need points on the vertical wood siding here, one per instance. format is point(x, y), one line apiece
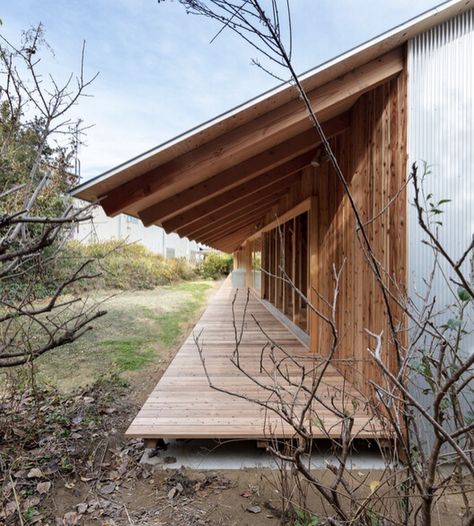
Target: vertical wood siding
point(372, 156)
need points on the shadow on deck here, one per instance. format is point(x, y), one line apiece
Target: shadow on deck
point(183, 405)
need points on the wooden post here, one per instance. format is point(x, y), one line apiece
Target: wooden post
point(248, 263)
point(313, 272)
point(294, 272)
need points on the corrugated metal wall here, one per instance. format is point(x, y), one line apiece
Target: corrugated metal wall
point(441, 133)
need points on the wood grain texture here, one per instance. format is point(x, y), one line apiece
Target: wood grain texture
point(184, 406)
point(269, 183)
point(237, 174)
point(372, 155)
point(249, 140)
point(373, 158)
point(263, 104)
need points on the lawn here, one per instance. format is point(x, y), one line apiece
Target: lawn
point(141, 329)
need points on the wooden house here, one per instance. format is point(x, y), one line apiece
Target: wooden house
point(255, 182)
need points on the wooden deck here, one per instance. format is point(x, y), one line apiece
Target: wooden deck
point(183, 405)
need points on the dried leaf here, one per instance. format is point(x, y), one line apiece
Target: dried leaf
point(31, 502)
point(10, 508)
point(105, 504)
point(70, 485)
point(108, 488)
point(172, 493)
point(7, 490)
point(71, 519)
point(122, 469)
point(87, 479)
point(35, 473)
point(82, 507)
point(254, 509)
point(43, 487)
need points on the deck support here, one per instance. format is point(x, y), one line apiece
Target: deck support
point(151, 443)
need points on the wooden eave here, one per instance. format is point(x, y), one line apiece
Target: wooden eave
point(223, 165)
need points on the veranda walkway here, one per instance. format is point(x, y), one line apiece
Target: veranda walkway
point(183, 405)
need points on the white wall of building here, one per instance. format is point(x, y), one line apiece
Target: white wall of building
point(125, 227)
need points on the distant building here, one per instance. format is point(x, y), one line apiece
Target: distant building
point(126, 227)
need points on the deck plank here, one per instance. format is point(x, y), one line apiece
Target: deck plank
point(183, 405)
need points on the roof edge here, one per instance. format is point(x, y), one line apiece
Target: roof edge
point(440, 9)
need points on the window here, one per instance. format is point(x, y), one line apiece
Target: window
point(131, 219)
point(284, 256)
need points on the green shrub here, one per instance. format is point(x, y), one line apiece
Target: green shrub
point(117, 265)
point(216, 265)
point(133, 266)
point(182, 268)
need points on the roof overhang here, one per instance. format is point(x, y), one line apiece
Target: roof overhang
point(237, 162)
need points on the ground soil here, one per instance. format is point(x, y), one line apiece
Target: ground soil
point(135, 339)
point(89, 473)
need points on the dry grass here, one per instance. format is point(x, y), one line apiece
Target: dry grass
point(140, 329)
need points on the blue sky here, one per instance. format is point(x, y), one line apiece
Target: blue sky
point(158, 74)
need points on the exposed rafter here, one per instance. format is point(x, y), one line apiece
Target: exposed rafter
point(260, 200)
point(269, 182)
point(254, 223)
point(234, 240)
point(240, 173)
point(220, 227)
point(250, 139)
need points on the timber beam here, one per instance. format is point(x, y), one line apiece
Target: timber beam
point(240, 194)
point(255, 221)
point(233, 241)
point(229, 212)
point(240, 173)
point(250, 139)
point(235, 222)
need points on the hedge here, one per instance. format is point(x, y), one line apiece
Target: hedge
point(118, 266)
point(216, 265)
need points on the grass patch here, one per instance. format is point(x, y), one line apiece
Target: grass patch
point(197, 288)
point(141, 329)
point(171, 329)
point(129, 355)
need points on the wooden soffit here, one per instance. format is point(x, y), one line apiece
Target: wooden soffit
point(215, 185)
point(246, 144)
point(260, 158)
point(248, 113)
